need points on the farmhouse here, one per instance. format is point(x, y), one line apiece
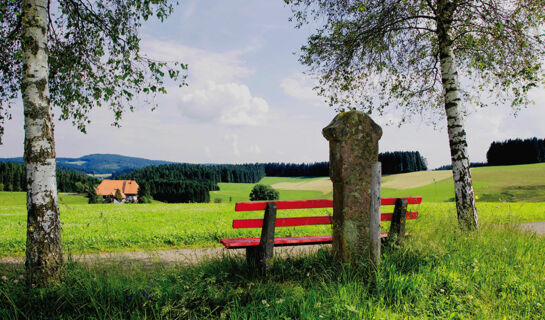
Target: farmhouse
point(127, 188)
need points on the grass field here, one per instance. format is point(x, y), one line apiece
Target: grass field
point(439, 273)
point(522, 183)
point(107, 227)
point(236, 192)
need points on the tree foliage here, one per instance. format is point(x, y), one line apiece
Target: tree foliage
point(374, 54)
point(185, 182)
point(95, 57)
point(402, 162)
point(263, 192)
point(516, 151)
point(13, 176)
point(92, 194)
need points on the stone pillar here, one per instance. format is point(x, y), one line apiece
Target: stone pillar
point(355, 172)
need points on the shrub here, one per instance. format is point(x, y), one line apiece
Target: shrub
point(263, 192)
point(145, 199)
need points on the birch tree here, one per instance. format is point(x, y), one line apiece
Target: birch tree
point(75, 55)
point(426, 57)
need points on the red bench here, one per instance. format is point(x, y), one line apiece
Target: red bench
point(256, 247)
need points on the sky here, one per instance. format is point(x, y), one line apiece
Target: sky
point(248, 99)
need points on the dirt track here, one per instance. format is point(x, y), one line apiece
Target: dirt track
point(193, 256)
point(176, 256)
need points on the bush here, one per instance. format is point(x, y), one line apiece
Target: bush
point(92, 194)
point(263, 192)
point(145, 199)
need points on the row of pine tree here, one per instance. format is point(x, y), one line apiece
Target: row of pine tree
point(13, 178)
point(516, 151)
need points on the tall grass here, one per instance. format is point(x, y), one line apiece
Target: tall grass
point(498, 272)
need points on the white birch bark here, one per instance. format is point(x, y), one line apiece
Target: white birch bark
point(43, 246)
point(463, 186)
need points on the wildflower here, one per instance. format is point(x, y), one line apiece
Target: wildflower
point(149, 297)
point(279, 301)
point(318, 305)
point(15, 281)
point(442, 290)
point(21, 277)
point(129, 298)
point(4, 278)
point(265, 303)
point(538, 304)
point(150, 286)
point(186, 287)
point(476, 197)
point(321, 317)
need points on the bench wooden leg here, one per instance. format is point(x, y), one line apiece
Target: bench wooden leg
point(397, 227)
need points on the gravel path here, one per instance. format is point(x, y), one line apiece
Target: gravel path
point(176, 256)
point(536, 227)
point(194, 256)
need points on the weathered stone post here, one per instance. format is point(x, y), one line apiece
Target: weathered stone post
point(355, 171)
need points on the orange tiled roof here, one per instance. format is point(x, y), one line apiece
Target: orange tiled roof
point(108, 187)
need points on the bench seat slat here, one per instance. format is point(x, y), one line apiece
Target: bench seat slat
point(304, 221)
point(280, 241)
point(310, 204)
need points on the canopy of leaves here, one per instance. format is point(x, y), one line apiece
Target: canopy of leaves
point(263, 192)
point(94, 56)
point(370, 54)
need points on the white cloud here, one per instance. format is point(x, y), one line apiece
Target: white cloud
point(229, 104)
point(255, 149)
point(203, 65)
point(234, 142)
point(216, 92)
point(300, 87)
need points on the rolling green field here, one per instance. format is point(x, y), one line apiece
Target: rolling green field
point(109, 227)
point(236, 192)
point(439, 272)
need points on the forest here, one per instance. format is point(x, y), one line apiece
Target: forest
point(191, 182)
point(13, 178)
point(516, 151)
point(392, 163)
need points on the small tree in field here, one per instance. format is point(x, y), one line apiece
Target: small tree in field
point(118, 195)
point(372, 54)
point(92, 194)
point(76, 55)
point(263, 192)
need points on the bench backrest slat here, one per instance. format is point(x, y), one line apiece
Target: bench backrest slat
point(304, 221)
point(311, 204)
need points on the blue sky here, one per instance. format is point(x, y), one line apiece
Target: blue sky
point(249, 101)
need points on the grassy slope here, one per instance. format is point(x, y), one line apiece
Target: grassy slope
point(522, 183)
point(237, 192)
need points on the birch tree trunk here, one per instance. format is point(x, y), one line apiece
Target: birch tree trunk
point(463, 187)
point(43, 246)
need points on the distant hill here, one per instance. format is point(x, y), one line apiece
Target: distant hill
point(100, 163)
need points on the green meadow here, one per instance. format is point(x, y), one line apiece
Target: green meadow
point(507, 194)
point(439, 272)
point(237, 192)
